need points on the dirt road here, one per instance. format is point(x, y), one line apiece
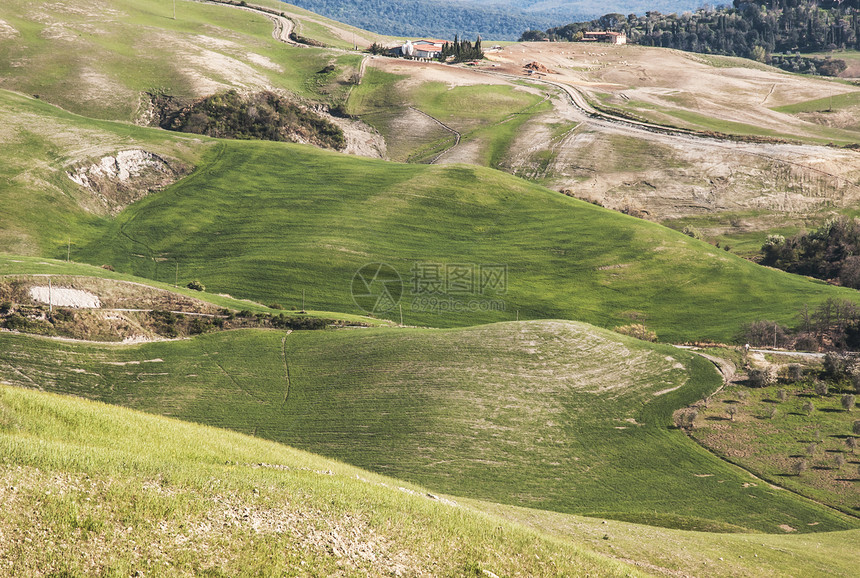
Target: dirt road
point(283, 26)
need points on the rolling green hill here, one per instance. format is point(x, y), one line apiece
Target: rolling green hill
point(553, 415)
point(121, 493)
point(508, 416)
point(268, 221)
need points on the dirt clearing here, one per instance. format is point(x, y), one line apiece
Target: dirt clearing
point(65, 297)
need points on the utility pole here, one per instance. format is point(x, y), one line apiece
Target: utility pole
point(401, 314)
point(174, 9)
point(303, 301)
point(176, 277)
point(50, 296)
point(69, 251)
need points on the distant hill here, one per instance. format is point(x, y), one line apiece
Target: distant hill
point(495, 19)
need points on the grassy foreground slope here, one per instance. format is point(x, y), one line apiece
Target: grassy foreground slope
point(267, 221)
point(553, 415)
point(683, 553)
point(89, 489)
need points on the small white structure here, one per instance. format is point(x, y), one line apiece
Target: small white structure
point(605, 36)
point(420, 49)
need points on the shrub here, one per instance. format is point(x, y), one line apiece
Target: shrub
point(839, 460)
point(638, 331)
point(848, 402)
point(196, 285)
point(782, 395)
point(276, 306)
point(687, 418)
point(836, 365)
point(821, 388)
point(733, 411)
point(808, 407)
point(856, 427)
point(108, 268)
point(691, 232)
point(851, 443)
point(800, 467)
point(795, 372)
point(772, 413)
point(811, 449)
point(762, 377)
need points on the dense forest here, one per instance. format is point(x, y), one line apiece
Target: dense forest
point(492, 19)
point(437, 18)
point(749, 28)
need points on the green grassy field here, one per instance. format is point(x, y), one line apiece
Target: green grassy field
point(489, 115)
point(540, 414)
point(121, 493)
point(838, 101)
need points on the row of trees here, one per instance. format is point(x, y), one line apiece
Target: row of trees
point(750, 28)
point(461, 50)
point(833, 325)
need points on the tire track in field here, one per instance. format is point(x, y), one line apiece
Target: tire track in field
point(286, 367)
point(241, 387)
point(456, 134)
point(25, 376)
